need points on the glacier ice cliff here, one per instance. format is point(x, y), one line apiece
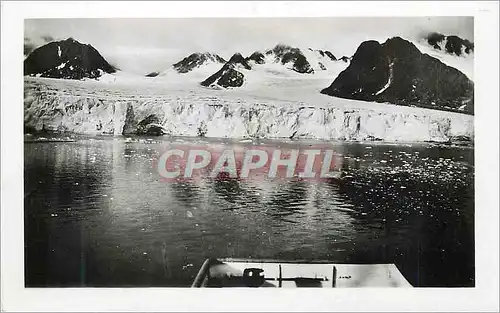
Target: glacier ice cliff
point(235, 117)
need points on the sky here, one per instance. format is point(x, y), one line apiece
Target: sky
point(144, 45)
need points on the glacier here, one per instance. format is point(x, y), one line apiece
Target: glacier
point(297, 110)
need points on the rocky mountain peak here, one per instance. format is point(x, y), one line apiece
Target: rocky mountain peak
point(195, 60)
point(257, 57)
point(450, 44)
point(286, 54)
point(238, 60)
point(66, 59)
point(397, 72)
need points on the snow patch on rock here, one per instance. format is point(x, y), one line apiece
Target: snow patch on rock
point(389, 80)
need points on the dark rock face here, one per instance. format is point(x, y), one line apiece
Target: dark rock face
point(345, 59)
point(330, 55)
point(238, 59)
point(286, 54)
point(453, 44)
point(300, 63)
point(434, 39)
point(151, 125)
point(231, 78)
point(153, 74)
point(228, 75)
point(327, 53)
point(358, 80)
point(196, 60)
point(257, 57)
point(68, 59)
point(397, 72)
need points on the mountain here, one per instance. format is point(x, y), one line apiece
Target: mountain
point(397, 72)
point(256, 57)
point(325, 53)
point(228, 75)
point(450, 44)
point(304, 62)
point(281, 56)
point(196, 60)
point(345, 59)
point(238, 60)
point(328, 54)
point(285, 54)
point(68, 59)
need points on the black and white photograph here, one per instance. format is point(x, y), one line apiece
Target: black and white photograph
point(249, 152)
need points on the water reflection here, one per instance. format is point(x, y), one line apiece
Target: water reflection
point(98, 214)
point(287, 199)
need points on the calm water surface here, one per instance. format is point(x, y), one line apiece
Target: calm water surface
point(97, 213)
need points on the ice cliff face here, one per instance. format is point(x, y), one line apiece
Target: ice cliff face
point(231, 117)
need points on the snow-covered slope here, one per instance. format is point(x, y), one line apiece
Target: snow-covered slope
point(299, 112)
point(276, 68)
point(197, 60)
point(194, 66)
point(290, 58)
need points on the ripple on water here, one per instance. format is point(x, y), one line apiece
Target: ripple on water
point(392, 204)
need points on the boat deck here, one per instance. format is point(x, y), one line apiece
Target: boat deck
point(282, 274)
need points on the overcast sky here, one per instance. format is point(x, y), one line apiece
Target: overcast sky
point(144, 45)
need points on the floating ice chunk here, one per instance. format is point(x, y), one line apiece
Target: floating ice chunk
point(187, 266)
